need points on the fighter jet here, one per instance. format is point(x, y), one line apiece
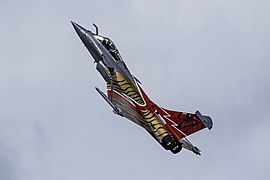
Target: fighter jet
point(127, 98)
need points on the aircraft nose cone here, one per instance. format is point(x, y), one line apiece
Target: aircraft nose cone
point(81, 31)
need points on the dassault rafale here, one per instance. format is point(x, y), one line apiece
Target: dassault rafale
point(127, 99)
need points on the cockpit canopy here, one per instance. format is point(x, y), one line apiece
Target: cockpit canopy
point(110, 46)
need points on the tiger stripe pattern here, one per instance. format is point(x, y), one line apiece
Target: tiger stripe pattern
point(124, 86)
point(155, 124)
point(148, 119)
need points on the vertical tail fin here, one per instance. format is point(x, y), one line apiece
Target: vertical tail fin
point(206, 120)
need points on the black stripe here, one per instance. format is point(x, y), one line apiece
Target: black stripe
point(163, 133)
point(133, 94)
point(159, 123)
point(150, 122)
point(147, 113)
point(126, 83)
point(137, 96)
point(150, 117)
point(119, 81)
point(126, 88)
point(131, 91)
point(159, 128)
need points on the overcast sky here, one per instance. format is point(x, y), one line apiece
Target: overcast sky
point(209, 55)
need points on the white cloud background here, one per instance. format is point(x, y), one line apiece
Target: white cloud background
point(207, 55)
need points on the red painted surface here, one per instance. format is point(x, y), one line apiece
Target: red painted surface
point(179, 124)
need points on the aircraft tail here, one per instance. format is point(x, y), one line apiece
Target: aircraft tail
point(206, 120)
point(189, 123)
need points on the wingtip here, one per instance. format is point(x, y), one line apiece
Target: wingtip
point(206, 120)
point(197, 151)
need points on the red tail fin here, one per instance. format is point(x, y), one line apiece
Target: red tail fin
point(187, 123)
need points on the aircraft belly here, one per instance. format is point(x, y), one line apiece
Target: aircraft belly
point(156, 126)
point(123, 85)
point(127, 96)
point(127, 99)
point(129, 112)
point(145, 118)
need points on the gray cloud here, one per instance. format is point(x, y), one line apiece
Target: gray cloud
point(7, 162)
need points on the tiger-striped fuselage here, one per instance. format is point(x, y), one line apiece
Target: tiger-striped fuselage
point(126, 97)
point(129, 97)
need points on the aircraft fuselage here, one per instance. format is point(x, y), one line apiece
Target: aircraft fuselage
point(127, 98)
